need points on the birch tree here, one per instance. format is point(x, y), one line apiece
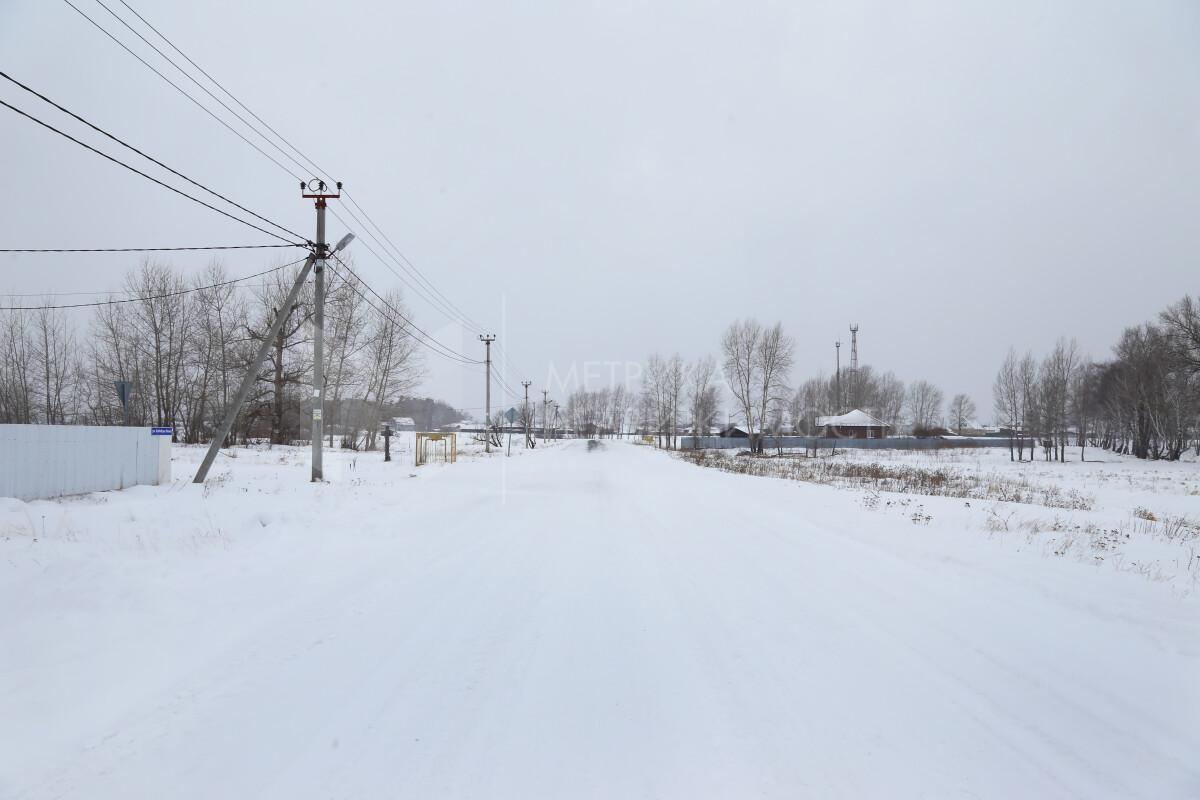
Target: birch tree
point(756, 362)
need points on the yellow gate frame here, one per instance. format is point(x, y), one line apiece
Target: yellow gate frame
point(449, 446)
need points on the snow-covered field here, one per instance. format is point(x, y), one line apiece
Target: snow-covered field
point(609, 623)
point(1109, 511)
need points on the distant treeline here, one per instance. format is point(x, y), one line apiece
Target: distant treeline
point(1144, 401)
point(185, 345)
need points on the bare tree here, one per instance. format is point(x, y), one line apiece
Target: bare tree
point(53, 349)
point(1006, 398)
point(289, 361)
point(924, 405)
point(394, 365)
point(346, 325)
point(1054, 395)
point(962, 411)
point(889, 402)
point(702, 395)
point(1027, 381)
point(220, 351)
point(675, 379)
point(1182, 324)
point(756, 362)
point(160, 324)
point(17, 370)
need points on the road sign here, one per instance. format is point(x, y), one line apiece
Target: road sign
point(160, 431)
point(123, 390)
point(511, 415)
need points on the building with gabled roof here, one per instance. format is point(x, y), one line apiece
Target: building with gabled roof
point(854, 424)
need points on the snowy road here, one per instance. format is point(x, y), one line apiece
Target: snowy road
point(599, 624)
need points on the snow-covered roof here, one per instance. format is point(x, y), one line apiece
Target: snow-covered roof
point(403, 421)
point(851, 419)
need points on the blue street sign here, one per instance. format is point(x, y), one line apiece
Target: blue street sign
point(160, 431)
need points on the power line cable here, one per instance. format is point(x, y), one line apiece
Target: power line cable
point(439, 299)
point(405, 322)
point(146, 156)
point(141, 249)
point(201, 86)
point(153, 297)
point(414, 268)
point(228, 93)
point(148, 177)
point(110, 292)
point(424, 338)
point(181, 90)
point(417, 289)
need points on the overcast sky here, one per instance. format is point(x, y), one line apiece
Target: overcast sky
point(598, 181)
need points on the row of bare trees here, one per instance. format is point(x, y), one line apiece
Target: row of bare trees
point(755, 363)
point(674, 391)
point(1032, 398)
point(755, 367)
point(596, 414)
point(919, 406)
point(185, 345)
point(1144, 401)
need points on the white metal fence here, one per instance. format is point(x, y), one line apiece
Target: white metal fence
point(38, 461)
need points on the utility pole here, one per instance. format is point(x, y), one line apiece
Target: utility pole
point(487, 340)
point(837, 380)
point(320, 252)
point(317, 190)
point(525, 413)
point(545, 406)
point(854, 398)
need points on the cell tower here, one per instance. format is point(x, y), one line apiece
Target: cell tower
point(855, 400)
point(854, 347)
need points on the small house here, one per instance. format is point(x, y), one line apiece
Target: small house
point(855, 424)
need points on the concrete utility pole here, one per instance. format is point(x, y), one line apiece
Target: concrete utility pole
point(525, 413)
point(545, 406)
point(317, 191)
point(487, 340)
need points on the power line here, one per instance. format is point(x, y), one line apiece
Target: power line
point(202, 87)
point(424, 287)
point(437, 298)
point(424, 338)
point(154, 297)
point(384, 260)
point(110, 292)
point(148, 177)
point(228, 93)
point(141, 249)
point(415, 270)
point(182, 91)
point(148, 157)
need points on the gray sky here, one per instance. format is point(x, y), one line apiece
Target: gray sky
point(596, 181)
